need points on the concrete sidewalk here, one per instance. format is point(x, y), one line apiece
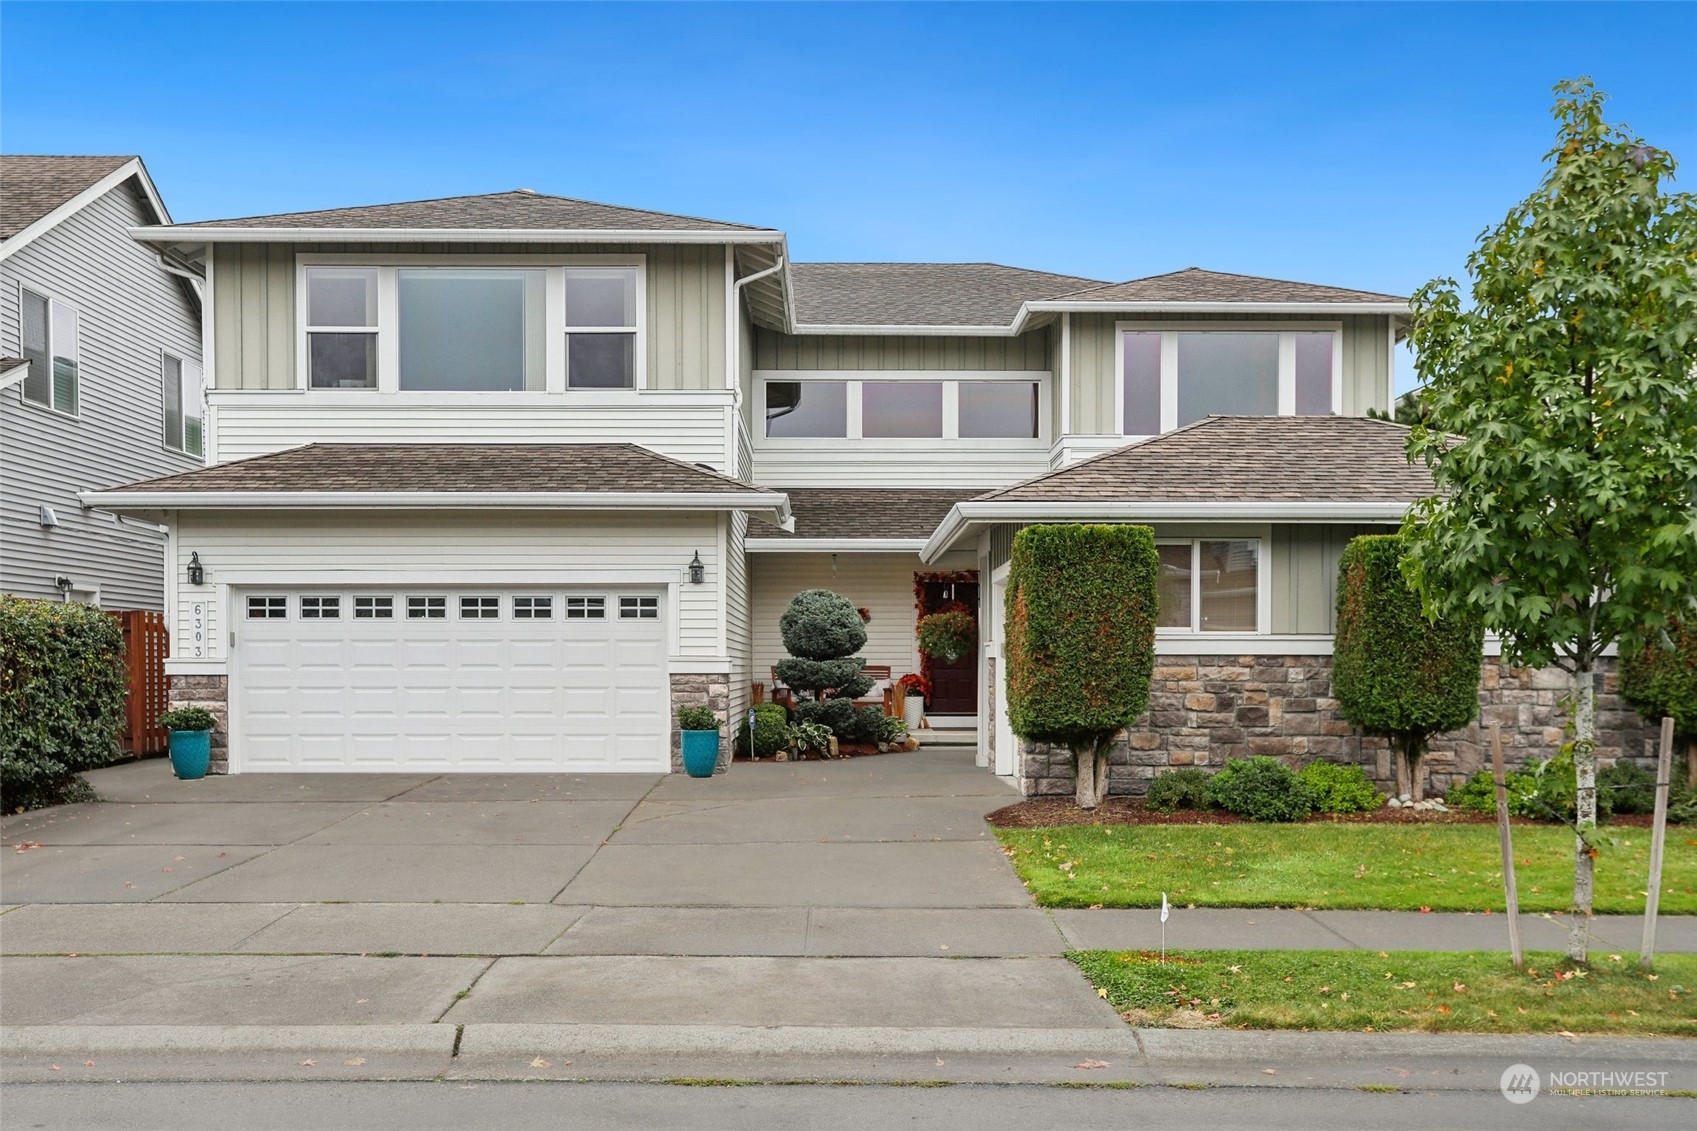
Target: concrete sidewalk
point(854, 917)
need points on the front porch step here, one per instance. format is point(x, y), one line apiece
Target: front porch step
point(930, 736)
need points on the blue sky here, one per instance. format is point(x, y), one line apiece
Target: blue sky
point(1363, 145)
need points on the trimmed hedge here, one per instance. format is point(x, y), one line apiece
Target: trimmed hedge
point(1663, 681)
point(1262, 789)
point(62, 687)
point(1395, 673)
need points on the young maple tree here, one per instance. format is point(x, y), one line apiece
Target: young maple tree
point(1561, 424)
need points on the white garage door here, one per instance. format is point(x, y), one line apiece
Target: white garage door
point(450, 679)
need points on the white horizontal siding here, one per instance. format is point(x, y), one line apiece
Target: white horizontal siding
point(129, 309)
point(687, 426)
point(862, 463)
point(478, 548)
point(880, 583)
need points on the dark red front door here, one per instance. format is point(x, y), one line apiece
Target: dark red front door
point(954, 686)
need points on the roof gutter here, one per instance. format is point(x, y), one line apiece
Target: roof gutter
point(1029, 310)
point(191, 233)
point(773, 506)
point(965, 515)
point(760, 544)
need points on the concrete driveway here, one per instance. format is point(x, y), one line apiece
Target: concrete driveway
point(866, 892)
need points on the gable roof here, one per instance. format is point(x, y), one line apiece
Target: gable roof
point(1222, 468)
point(920, 294)
point(1193, 284)
point(849, 514)
point(32, 186)
point(517, 209)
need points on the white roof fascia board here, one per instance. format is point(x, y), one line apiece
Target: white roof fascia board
point(973, 513)
point(1057, 305)
point(135, 500)
point(83, 199)
point(1006, 331)
point(14, 376)
point(174, 234)
point(759, 545)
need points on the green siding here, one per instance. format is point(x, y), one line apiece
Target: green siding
point(1304, 563)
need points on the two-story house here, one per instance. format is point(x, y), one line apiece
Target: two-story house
point(100, 383)
point(500, 480)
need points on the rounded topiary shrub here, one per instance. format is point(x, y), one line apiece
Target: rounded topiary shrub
point(1185, 788)
point(1262, 789)
point(1395, 673)
point(62, 687)
point(1339, 787)
point(821, 625)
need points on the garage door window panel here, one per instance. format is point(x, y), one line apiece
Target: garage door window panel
point(374, 608)
point(639, 608)
point(321, 608)
point(586, 608)
point(480, 608)
point(427, 608)
point(533, 608)
point(267, 608)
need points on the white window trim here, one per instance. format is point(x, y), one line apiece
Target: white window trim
point(76, 312)
point(1263, 586)
point(388, 318)
point(1169, 332)
point(950, 379)
point(183, 364)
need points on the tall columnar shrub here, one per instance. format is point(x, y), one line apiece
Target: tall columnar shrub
point(822, 632)
point(1080, 641)
point(62, 686)
point(1396, 673)
point(1660, 678)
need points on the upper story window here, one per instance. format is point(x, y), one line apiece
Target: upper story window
point(486, 326)
point(48, 341)
point(1173, 377)
point(874, 408)
point(179, 384)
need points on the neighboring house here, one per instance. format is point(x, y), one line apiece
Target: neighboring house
point(503, 479)
point(100, 383)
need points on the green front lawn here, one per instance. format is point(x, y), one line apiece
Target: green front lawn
point(1338, 866)
point(1461, 992)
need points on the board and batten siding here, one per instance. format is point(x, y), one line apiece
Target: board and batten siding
point(1366, 358)
point(480, 548)
point(773, 350)
point(879, 583)
point(253, 306)
point(691, 426)
point(1304, 562)
point(129, 311)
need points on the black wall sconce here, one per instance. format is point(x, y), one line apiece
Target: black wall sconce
point(697, 571)
point(197, 572)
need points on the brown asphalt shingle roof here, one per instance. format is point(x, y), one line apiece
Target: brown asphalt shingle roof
point(453, 467)
point(32, 185)
point(519, 209)
point(852, 512)
point(1193, 284)
point(920, 294)
point(1243, 459)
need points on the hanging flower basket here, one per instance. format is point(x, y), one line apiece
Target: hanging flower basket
point(947, 636)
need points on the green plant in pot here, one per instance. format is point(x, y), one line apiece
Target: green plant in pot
point(190, 740)
point(700, 729)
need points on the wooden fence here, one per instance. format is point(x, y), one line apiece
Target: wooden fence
point(146, 643)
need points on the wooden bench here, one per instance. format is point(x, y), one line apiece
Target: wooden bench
point(880, 674)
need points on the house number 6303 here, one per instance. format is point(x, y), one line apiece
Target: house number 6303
point(197, 629)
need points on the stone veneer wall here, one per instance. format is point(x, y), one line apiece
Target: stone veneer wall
point(693, 690)
point(213, 693)
point(992, 687)
point(1206, 709)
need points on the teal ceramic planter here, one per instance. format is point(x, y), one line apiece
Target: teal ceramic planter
point(701, 752)
point(191, 753)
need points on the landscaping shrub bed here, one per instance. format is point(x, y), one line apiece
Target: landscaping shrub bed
point(1050, 812)
point(62, 687)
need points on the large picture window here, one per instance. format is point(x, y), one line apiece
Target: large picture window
point(1173, 377)
point(492, 325)
point(1210, 585)
point(48, 341)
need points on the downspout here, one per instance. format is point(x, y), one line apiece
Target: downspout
point(733, 343)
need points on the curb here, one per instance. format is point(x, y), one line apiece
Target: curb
point(65, 1040)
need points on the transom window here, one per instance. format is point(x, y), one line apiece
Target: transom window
point(480, 608)
point(489, 326)
point(180, 382)
point(1170, 378)
point(427, 608)
point(1210, 585)
point(48, 341)
point(533, 608)
point(374, 608)
point(586, 608)
point(639, 608)
point(907, 409)
point(321, 608)
point(267, 608)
